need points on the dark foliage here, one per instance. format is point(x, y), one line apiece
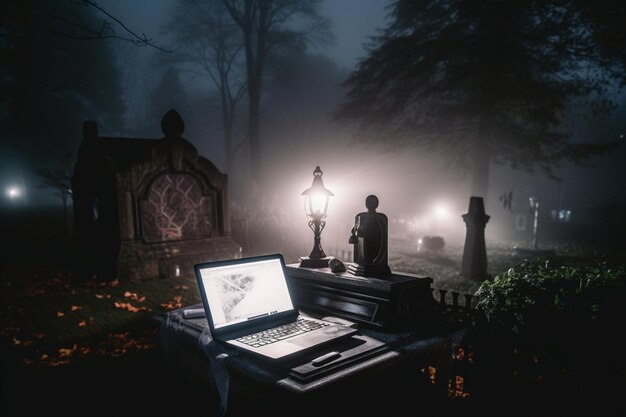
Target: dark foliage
point(482, 82)
point(433, 243)
point(550, 339)
point(536, 297)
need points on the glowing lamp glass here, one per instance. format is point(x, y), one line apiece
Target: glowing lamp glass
point(316, 197)
point(315, 206)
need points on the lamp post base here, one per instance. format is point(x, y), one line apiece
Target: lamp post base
point(308, 262)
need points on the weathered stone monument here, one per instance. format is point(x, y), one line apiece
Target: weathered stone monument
point(475, 253)
point(146, 208)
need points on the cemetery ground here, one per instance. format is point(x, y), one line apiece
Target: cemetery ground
point(73, 346)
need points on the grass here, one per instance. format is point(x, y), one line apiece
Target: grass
point(79, 345)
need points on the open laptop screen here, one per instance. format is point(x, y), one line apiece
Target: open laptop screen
point(241, 292)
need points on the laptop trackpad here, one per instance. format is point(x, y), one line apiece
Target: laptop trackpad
point(327, 333)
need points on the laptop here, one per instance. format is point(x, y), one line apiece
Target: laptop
point(248, 305)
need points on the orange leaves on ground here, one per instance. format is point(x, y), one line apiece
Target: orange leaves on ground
point(118, 344)
point(84, 323)
point(134, 296)
point(25, 343)
point(112, 345)
point(8, 330)
point(130, 307)
point(67, 352)
point(111, 284)
point(58, 362)
point(60, 314)
point(176, 302)
point(181, 287)
point(103, 296)
point(76, 308)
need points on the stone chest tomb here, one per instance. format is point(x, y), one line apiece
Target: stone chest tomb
point(148, 207)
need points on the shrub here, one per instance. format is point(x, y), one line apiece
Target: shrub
point(536, 298)
point(433, 243)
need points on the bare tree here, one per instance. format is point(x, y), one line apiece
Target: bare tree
point(59, 179)
point(206, 38)
point(267, 26)
point(64, 18)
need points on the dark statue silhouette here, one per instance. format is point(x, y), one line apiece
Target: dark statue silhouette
point(369, 238)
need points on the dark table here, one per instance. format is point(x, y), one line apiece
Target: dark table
point(387, 383)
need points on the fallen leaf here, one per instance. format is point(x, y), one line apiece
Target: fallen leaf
point(176, 302)
point(130, 307)
point(82, 323)
point(113, 283)
point(134, 296)
point(181, 287)
point(103, 296)
point(16, 341)
point(44, 357)
point(60, 314)
point(67, 352)
point(74, 308)
point(57, 362)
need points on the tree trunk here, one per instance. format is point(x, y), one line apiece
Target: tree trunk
point(253, 133)
point(227, 124)
point(480, 183)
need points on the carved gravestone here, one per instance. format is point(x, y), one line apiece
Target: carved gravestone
point(148, 207)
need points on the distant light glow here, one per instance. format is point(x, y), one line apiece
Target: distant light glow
point(14, 192)
point(442, 211)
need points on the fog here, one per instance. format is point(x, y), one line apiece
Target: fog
point(418, 190)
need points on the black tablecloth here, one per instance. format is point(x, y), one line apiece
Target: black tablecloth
point(189, 350)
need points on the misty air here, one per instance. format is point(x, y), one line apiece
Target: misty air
point(351, 207)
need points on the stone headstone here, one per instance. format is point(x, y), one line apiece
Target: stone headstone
point(474, 252)
point(148, 207)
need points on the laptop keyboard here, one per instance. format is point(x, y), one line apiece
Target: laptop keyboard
point(276, 334)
